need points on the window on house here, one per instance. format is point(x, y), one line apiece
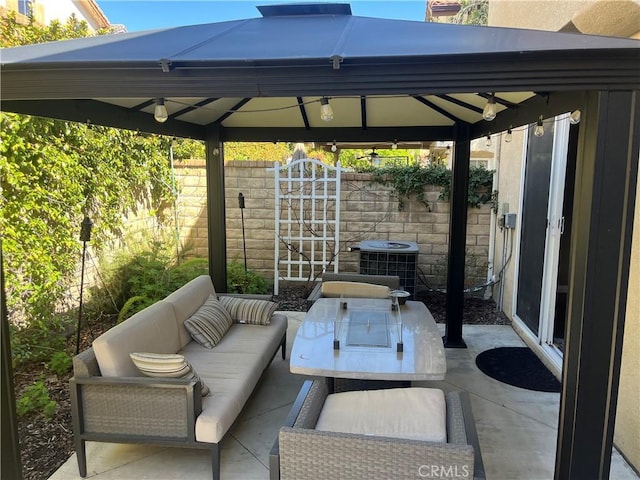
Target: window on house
point(24, 6)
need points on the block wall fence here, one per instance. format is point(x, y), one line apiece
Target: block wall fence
point(368, 212)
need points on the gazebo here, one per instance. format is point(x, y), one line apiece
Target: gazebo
point(269, 78)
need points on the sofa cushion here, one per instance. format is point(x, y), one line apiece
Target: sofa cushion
point(153, 329)
point(209, 324)
point(166, 365)
point(354, 290)
point(250, 311)
point(186, 301)
point(232, 370)
point(413, 413)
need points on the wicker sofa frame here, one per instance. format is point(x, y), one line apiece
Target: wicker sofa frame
point(303, 453)
point(142, 410)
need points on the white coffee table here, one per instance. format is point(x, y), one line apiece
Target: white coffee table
point(364, 350)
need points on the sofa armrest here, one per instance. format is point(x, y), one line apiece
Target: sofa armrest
point(307, 454)
point(301, 408)
point(135, 408)
point(85, 364)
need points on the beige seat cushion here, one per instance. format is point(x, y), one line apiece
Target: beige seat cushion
point(232, 370)
point(354, 290)
point(412, 413)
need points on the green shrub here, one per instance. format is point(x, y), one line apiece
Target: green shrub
point(239, 281)
point(133, 305)
point(60, 363)
point(180, 274)
point(37, 343)
point(36, 399)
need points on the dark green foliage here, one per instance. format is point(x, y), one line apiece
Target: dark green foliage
point(36, 399)
point(138, 280)
point(410, 181)
point(133, 305)
point(239, 281)
point(40, 340)
point(60, 363)
point(480, 183)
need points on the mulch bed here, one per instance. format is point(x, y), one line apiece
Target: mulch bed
point(47, 443)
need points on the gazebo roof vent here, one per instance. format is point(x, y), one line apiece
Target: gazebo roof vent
point(298, 9)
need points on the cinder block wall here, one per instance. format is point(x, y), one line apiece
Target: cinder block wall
point(368, 212)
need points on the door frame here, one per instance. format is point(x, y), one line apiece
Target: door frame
point(543, 340)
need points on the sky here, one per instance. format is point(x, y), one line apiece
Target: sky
point(138, 15)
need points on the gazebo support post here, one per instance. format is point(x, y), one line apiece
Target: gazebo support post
point(11, 463)
point(604, 202)
point(457, 237)
point(216, 241)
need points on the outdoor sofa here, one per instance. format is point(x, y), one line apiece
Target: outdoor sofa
point(113, 401)
point(306, 450)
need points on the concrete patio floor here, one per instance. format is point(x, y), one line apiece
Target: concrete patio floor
point(516, 427)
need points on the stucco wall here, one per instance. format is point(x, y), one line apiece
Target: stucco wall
point(627, 432)
point(506, 243)
point(368, 212)
point(549, 15)
point(48, 10)
point(619, 17)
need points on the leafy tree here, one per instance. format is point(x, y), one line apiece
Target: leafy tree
point(472, 12)
point(359, 158)
point(52, 174)
point(257, 151)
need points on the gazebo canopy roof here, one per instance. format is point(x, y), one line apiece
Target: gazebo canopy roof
point(263, 78)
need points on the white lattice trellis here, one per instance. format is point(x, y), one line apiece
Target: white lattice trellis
point(307, 219)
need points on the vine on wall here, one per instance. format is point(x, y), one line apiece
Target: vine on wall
point(410, 181)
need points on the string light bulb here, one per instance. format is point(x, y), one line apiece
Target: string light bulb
point(489, 112)
point(488, 142)
point(326, 112)
point(334, 147)
point(394, 145)
point(574, 118)
point(539, 130)
point(160, 112)
point(509, 136)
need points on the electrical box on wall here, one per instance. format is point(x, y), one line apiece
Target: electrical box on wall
point(509, 220)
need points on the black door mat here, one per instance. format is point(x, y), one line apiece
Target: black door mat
point(517, 366)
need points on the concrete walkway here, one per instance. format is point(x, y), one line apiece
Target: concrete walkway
point(517, 428)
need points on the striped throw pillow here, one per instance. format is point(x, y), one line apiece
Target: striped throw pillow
point(209, 324)
point(166, 365)
point(253, 312)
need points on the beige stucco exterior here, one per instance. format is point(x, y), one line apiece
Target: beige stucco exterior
point(45, 11)
point(604, 17)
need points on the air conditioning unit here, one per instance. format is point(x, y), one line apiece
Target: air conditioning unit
point(388, 257)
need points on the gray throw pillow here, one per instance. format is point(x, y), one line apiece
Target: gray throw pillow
point(252, 312)
point(209, 324)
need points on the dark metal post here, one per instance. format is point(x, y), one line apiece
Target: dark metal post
point(457, 238)
point(604, 203)
point(217, 237)
point(11, 465)
point(85, 236)
point(244, 243)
